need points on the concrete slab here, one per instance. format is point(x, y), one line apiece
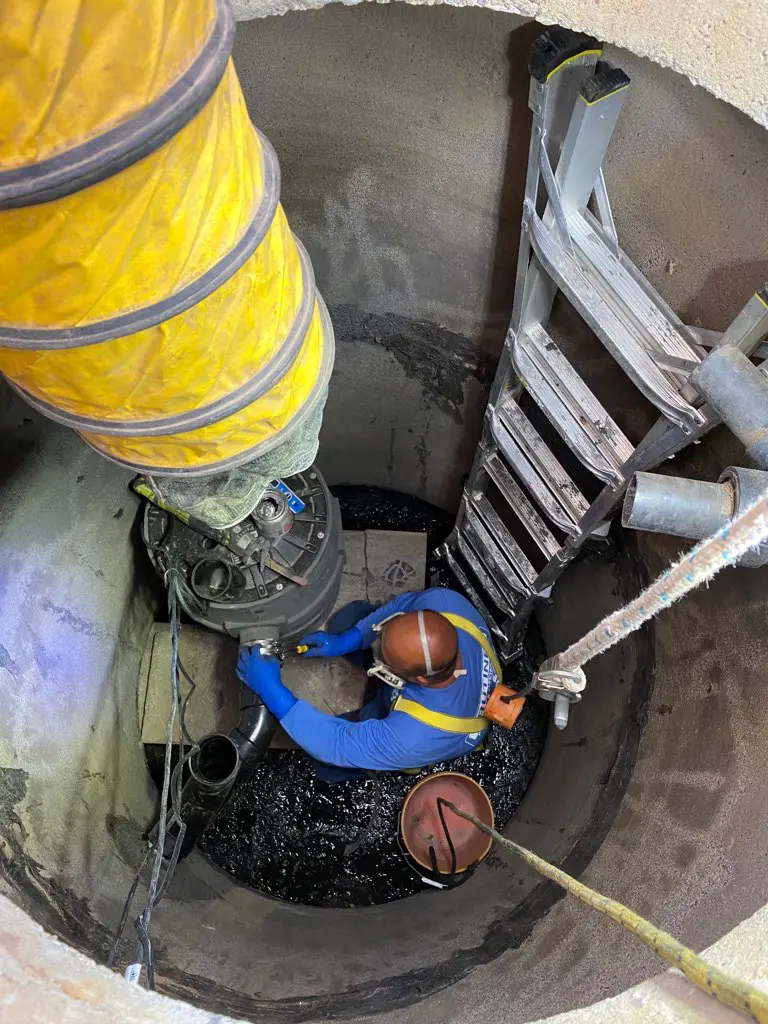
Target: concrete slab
point(211, 659)
point(380, 565)
point(395, 562)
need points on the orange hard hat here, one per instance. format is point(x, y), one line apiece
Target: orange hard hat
point(435, 837)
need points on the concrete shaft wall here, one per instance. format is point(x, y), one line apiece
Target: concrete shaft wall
point(402, 134)
point(403, 137)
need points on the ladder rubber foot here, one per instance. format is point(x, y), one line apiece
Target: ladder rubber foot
point(555, 47)
point(603, 83)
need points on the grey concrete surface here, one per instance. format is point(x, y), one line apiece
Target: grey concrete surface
point(720, 47)
point(45, 980)
point(398, 169)
point(74, 610)
point(211, 660)
point(403, 134)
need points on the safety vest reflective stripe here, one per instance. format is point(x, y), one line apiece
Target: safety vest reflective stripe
point(451, 723)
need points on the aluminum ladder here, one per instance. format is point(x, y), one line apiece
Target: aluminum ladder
point(522, 517)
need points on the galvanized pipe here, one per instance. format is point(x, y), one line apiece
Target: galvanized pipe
point(683, 508)
point(694, 508)
point(747, 485)
point(738, 392)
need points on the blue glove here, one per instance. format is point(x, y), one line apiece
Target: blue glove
point(333, 645)
point(261, 673)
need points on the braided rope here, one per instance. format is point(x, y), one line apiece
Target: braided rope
point(722, 549)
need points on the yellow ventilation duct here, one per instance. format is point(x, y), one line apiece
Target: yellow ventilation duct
point(152, 295)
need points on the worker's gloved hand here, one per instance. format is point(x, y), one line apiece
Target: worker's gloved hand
point(333, 645)
point(261, 673)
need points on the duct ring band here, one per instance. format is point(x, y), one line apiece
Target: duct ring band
point(262, 382)
point(149, 316)
point(233, 461)
point(118, 148)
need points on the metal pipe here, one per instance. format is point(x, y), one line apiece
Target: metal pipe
point(694, 508)
point(683, 508)
point(747, 485)
point(738, 392)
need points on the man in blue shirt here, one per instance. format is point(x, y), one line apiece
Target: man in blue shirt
point(434, 647)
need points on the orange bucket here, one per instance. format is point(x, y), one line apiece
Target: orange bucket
point(436, 838)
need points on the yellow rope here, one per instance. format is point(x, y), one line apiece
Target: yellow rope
point(739, 995)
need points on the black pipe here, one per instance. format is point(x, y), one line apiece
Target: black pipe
point(253, 733)
point(213, 769)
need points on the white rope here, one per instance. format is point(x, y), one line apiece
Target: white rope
point(722, 549)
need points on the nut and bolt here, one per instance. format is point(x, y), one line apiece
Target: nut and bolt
point(320, 534)
point(278, 586)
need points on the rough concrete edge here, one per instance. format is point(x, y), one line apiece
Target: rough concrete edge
point(44, 980)
point(719, 47)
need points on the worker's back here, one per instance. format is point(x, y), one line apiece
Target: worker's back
point(464, 698)
point(400, 740)
point(424, 724)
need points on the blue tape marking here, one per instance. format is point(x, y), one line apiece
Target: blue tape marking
point(295, 504)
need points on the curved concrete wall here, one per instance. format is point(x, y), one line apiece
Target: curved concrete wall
point(721, 47)
point(436, 100)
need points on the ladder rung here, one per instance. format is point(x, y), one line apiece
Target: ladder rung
point(662, 330)
point(602, 290)
point(569, 404)
point(524, 510)
point(512, 550)
point(492, 557)
point(474, 562)
point(473, 595)
point(526, 452)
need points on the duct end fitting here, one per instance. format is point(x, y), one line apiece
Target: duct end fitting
point(738, 392)
point(673, 505)
point(747, 485)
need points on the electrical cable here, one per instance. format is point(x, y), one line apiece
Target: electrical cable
point(126, 910)
point(156, 889)
point(192, 688)
point(171, 787)
point(143, 920)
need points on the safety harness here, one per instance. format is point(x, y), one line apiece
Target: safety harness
point(452, 723)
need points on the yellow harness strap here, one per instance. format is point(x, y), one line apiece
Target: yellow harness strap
point(450, 723)
point(469, 627)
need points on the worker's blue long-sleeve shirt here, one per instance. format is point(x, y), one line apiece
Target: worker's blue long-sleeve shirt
point(400, 741)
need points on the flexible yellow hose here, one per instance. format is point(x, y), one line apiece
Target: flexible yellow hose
point(152, 295)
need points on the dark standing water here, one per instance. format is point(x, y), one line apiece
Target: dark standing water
point(291, 836)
